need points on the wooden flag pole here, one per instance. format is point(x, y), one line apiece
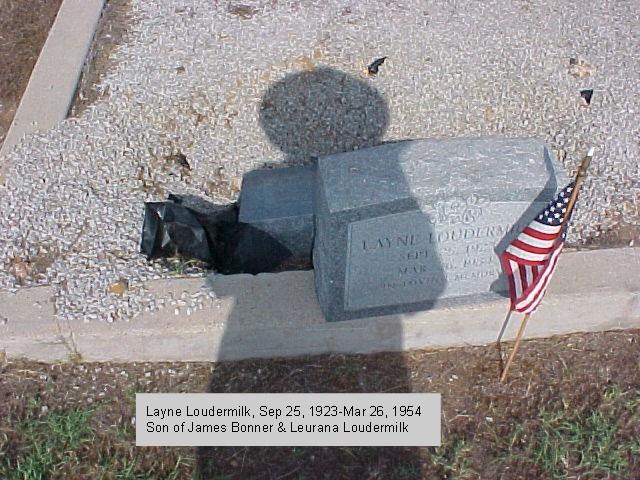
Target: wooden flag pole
point(582, 173)
point(523, 325)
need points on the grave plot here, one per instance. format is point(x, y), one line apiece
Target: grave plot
point(194, 96)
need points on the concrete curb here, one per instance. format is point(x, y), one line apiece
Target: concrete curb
point(271, 315)
point(52, 85)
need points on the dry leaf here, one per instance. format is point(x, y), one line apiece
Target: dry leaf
point(19, 269)
point(489, 114)
point(581, 69)
point(119, 287)
point(305, 63)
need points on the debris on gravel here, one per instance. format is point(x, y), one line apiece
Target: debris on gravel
point(188, 84)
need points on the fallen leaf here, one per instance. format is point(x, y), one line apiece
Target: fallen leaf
point(586, 95)
point(119, 287)
point(372, 69)
point(580, 68)
point(489, 114)
point(19, 269)
point(305, 63)
point(242, 11)
point(179, 159)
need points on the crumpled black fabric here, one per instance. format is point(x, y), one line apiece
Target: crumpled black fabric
point(190, 227)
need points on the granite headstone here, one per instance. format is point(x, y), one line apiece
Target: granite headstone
point(411, 225)
point(279, 202)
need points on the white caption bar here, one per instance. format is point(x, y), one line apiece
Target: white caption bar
point(283, 419)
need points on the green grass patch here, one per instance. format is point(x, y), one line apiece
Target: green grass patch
point(48, 442)
point(589, 443)
point(55, 444)
point(454, 459)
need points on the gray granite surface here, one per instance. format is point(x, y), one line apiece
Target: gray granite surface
point(279, 202)
point(408, 225)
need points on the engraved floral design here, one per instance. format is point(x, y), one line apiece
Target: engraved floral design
point(457, 210)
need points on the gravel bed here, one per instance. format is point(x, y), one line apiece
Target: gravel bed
point(233, 87)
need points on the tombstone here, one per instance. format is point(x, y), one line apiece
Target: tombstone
point(279, 202)
point(420, 224)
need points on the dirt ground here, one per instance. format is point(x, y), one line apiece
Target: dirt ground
point(24, 26)
point(111, 32)
point(570, 410)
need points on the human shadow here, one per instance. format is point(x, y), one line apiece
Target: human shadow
point(312, 114)
point(398, 228)
point(322, 111)
point(375, 251)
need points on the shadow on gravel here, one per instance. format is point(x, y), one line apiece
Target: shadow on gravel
point(320, 112)
point(309, 114)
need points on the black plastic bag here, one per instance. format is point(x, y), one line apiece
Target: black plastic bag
point(171, 229)
point(191, 227)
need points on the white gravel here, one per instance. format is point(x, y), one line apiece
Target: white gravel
point(191, 78)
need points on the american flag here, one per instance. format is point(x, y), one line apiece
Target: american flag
point(530, 260)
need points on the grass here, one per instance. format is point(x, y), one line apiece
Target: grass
point(182, 266)
point(407, 472)
point(562, 443)
point(50, 440)
point(53, 445)
point(548, 422)
point(587, 442)
point(453, 459)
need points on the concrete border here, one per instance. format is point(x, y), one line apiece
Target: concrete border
point(54, 79)
point(272, 315)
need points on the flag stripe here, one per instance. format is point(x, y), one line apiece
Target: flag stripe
point(535, 241)
point(532, 299)
point(522, 245)
point(529, 271)
point(516, 276)
point(523, 277)
point(542, 236)
point(509, 264)
point(536, 257)
point(542, 228)
point(515, 258)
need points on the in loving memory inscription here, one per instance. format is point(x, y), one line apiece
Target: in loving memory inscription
point(397, 259)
